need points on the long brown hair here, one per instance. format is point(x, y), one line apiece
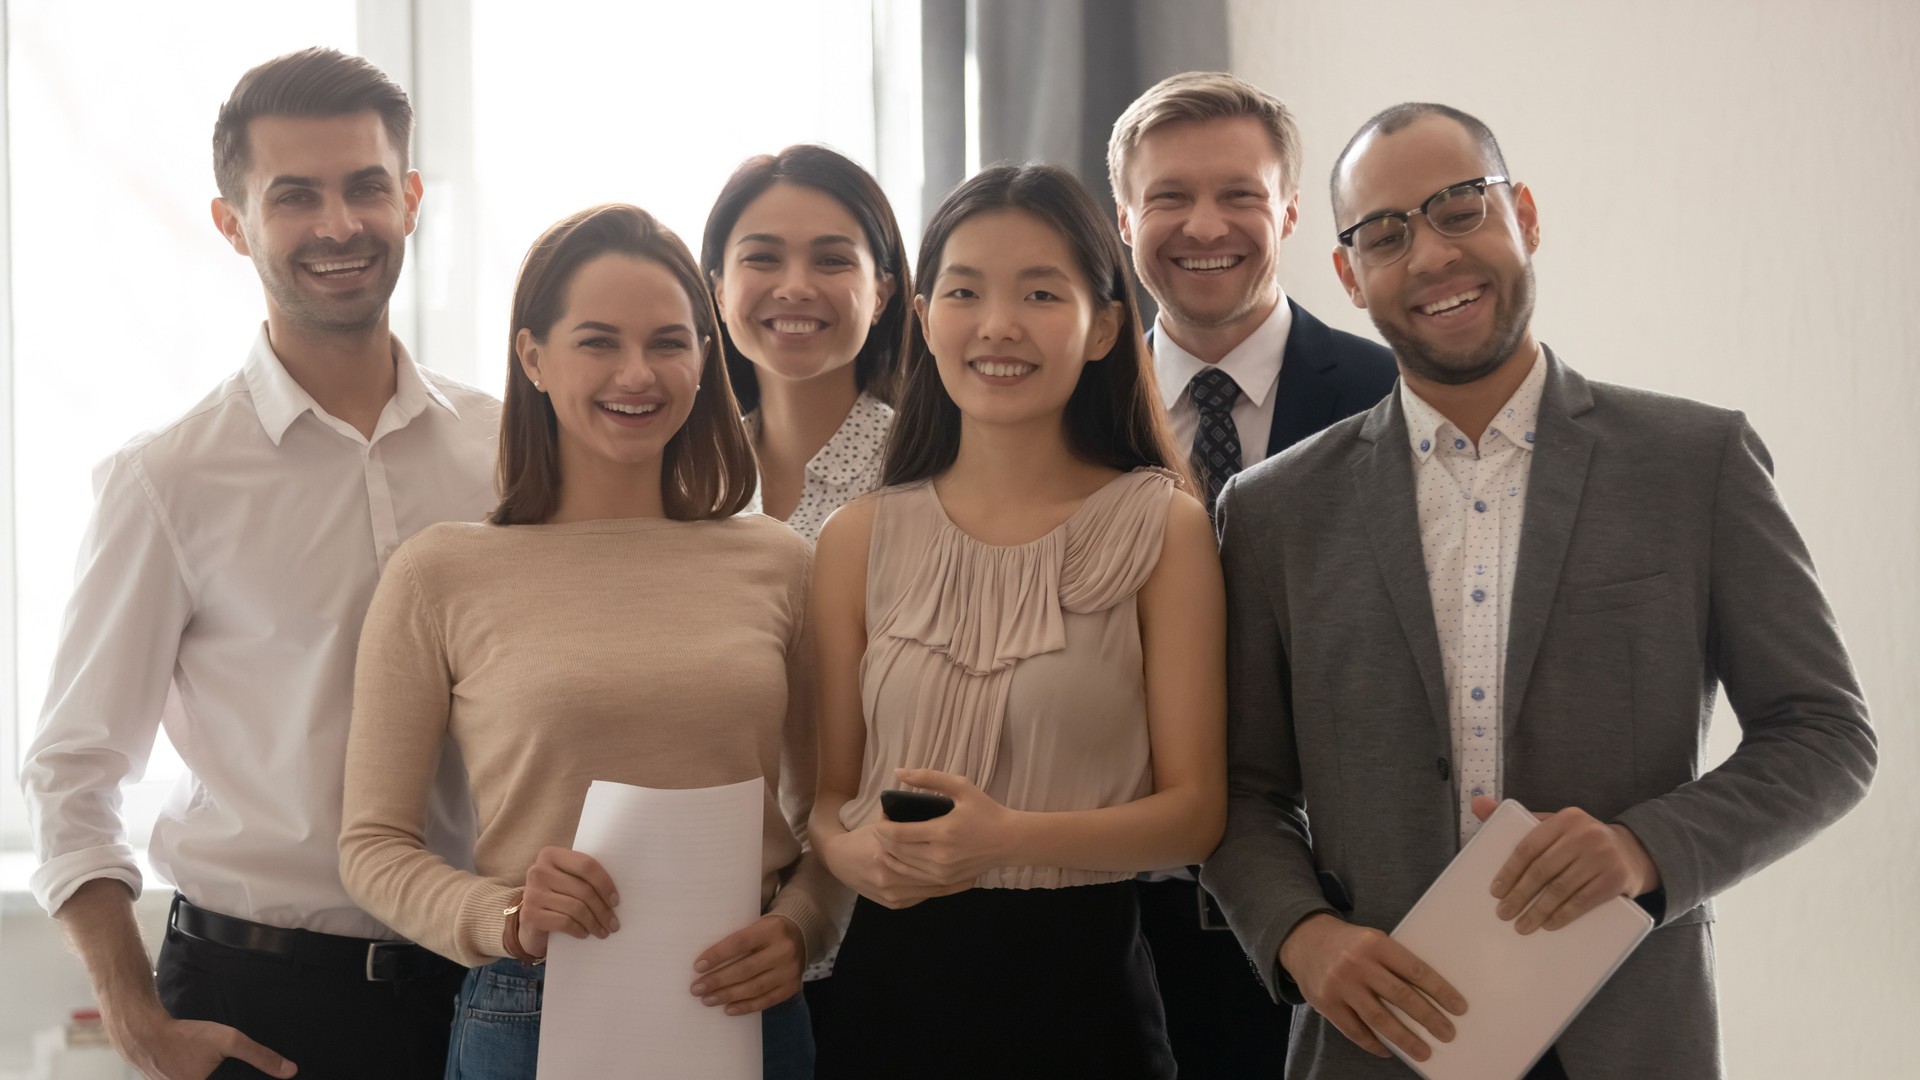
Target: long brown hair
point(707, 469)
point(876, 365)
point(1114, 417)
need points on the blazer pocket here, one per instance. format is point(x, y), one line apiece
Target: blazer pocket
point(1620, 594)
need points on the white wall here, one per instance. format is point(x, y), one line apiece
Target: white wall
point(1728, 212)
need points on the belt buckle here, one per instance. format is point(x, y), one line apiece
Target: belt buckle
point(373, 952)
point(1211, 917)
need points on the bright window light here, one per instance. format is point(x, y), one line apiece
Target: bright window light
point(577, 102)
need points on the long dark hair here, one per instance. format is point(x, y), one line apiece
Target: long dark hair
point(1114, 416)
point(877, 364)
point(707, 469)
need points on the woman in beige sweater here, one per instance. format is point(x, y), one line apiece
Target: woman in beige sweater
point(614, 620)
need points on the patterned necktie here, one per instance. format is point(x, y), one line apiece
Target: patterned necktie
point(1216, 442)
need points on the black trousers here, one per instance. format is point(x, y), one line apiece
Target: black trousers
point(996, 983)
point(328, 1022)
point(1221, 1022)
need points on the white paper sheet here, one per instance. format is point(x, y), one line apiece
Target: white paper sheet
point(686, 865)
point(1522, 990)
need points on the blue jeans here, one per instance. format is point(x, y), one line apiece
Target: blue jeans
point(496, 1028)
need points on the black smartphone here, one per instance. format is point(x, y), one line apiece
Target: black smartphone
point(913, 805)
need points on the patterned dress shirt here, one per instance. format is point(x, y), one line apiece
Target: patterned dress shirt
point(1472, 499)
point(844, 469)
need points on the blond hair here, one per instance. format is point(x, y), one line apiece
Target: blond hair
point(1203, 95)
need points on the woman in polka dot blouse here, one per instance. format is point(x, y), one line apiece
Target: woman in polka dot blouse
point(810, 276)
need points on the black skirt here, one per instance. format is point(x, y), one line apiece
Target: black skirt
point(997, 983)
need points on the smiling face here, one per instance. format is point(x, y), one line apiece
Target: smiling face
point(1205, 215)
point(1454, 308)
point(799, 288)
point(327, 213)
point(621, 364)
point(1011, 319)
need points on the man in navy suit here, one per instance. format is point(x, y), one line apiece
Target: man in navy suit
point(1205, 171)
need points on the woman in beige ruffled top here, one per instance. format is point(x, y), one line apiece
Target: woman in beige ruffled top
point(1028, 619)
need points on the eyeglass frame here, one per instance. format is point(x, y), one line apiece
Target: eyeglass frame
point(1479, 184)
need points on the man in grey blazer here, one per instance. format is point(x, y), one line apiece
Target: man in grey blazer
point(1506, 581)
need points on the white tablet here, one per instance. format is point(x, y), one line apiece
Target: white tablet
point(1522, 990)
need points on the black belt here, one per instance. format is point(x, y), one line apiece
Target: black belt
point(379, 961)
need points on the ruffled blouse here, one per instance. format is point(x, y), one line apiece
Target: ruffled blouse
point(1016, 666)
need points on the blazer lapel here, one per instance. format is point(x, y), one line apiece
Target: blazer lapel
point(1383, 477)
point(1562, 450)
point(1306, 400)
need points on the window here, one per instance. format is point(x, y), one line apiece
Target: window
point(575, 103)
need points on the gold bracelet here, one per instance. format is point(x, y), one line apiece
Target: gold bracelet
point(511, 937)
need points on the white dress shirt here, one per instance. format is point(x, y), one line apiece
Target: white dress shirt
point(844, 469)
point(1254, 366)
point(1472, 500)
point(220, 591)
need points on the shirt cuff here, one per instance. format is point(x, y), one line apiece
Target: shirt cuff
point(60, 877)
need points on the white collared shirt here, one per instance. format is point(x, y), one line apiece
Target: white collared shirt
point(1254, 366)
point(220, 590)
point(844, 469)
point(1472, 500)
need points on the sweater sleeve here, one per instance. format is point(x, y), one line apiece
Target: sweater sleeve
point(402, 695)
point(809, 894)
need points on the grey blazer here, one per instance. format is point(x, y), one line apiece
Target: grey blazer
point(1656, 562)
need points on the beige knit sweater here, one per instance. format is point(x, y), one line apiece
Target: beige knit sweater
point(646, 651)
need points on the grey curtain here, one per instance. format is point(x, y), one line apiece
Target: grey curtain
point(1054, 75)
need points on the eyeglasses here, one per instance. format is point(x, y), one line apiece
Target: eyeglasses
point(1384, 239)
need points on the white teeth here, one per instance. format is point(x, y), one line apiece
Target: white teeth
point(1218, 262)
point(331, 267)
point(797, 326)
point(630, 410)
point(1450, 302)
point(1001, 369)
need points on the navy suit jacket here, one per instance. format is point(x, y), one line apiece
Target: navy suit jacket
point(1326, 375)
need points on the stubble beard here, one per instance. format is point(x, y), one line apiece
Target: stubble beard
point(1458, 369)
point(1258, 292)
point(335, 315)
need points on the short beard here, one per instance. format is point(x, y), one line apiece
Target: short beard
point(1458, 369)
point(321, 318)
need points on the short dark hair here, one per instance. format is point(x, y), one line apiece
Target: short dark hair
point(877, 364)
point(313, 82)
point(707, 469)
point(1114, 416)
point(1390, 120)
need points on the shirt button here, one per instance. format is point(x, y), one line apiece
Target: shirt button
point(1478, 694)
point(1479, 507)
point(1426, 445)
point(1459, 444)
point(1479, 595)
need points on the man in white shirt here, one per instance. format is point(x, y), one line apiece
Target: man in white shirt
point(220, 591)
point(1205, 170)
